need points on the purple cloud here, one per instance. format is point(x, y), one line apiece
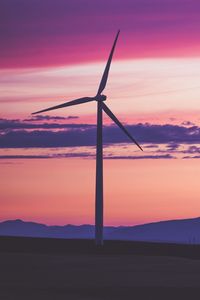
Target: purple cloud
point(187, 123)
point(50, 118)
point(192, 149)
point(85, 135)
point(151, 146)
point(165, 156)
point(173, 146)
point(6, 124)
point(85, 155)
point(56, 155)
point(191, 157)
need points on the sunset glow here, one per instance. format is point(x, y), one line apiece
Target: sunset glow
point(48, 161)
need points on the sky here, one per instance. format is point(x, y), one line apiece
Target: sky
point(55, 51)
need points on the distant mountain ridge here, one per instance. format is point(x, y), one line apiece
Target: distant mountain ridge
point(175, 231)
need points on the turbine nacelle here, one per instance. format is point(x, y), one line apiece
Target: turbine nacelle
point(100, 97)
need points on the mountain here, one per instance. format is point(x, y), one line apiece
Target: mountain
point(32, 229)
point(175, 231)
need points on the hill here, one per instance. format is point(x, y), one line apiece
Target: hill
point(172, 231)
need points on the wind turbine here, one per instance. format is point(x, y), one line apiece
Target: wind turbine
point(101, 106)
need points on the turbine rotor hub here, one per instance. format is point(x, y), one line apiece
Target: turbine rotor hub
point(100, 97)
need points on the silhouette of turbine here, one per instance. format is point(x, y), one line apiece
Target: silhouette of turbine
point(99, 146)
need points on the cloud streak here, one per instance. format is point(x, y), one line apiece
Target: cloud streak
point(50, 118)
point(85, 155)
point(6, 124)
point(165, 156)
point(15, 134)
point(56, 155)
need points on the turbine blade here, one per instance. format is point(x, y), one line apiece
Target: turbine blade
point(70, 103)
point(112, 116)
point(107, 68)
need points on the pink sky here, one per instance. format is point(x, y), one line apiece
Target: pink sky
point(62, 191)
point(52, 52)
point(49, 33)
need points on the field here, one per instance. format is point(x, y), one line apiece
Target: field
point(34, 268)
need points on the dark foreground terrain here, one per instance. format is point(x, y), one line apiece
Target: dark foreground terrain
point(34, 268)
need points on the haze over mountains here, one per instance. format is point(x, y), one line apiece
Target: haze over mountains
point(176, 231)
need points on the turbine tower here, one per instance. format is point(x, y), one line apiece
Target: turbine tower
point(101, 106)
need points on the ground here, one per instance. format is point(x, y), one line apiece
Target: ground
point(35, 275)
